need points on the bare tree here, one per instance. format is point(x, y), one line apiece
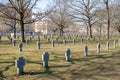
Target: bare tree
point(59, 15)
point(84, 12)
point(116, 13)
point(23, 10)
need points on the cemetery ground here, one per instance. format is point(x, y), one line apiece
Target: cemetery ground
point(96, 66)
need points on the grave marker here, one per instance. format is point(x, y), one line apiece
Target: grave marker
point(38, 44)
point(98, 48)
point(53, 43)
point(19, 64)
point(14, 42)
point(74, 41)
point(114, 44)
point(45, 59)
point(67, 54)
point(20, 46)
point(107, 45)
point(86, 50)
point(64, 42)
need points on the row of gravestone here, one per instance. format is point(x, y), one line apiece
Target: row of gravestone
point(20, 62)
point(64, 42)
point(53, 41)
point(20, 46)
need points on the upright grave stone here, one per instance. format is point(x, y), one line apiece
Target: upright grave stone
point(38, 38)
point(14, 42)
point(53, 43)
point(19, 64)
point(74, 41)
point(45, 59)
point(38, 44)
point(48, 40)
point(67, 54)
point(56, 39)
point(64, 42)
point(107, 45)
point(86, 50)
point(27, 41)
point(20, 46)
point(98, 48)
point(81, 40)
point(114, 44)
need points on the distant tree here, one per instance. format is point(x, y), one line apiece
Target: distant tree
point(59, 15)
point(83, 11)
point(116, 13)
point(23, 10)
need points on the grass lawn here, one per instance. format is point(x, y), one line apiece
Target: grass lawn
point(102, 66)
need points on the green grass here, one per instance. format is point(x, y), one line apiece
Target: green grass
point(103, 66)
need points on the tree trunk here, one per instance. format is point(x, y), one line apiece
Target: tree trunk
point(87, 30)
point(14, 33)
point(100, 29)
point(22, 31)
point(108, 16)
point(90, 31)
point(22, 28)
point(61, 32)
point(15, 29)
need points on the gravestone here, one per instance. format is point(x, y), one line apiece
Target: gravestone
point(53, 43)
point(27, 41)
point(64, 42)
point(38, 38)
point(81, 40)
point(45, 59)
point(114, 44)
point(98, 48)
point(86, 50)
point(20, 46)
point(67, 54)
point(14, 42)
point(107, 45)
point(57, 40)
point(74, 41)
point(38, 44)
point(48, 40)
point(19, 64)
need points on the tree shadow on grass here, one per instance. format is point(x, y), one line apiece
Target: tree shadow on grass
point(47, 72)
point(5, 69)
point(33, 62)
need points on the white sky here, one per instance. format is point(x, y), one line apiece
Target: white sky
point(42, 4)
